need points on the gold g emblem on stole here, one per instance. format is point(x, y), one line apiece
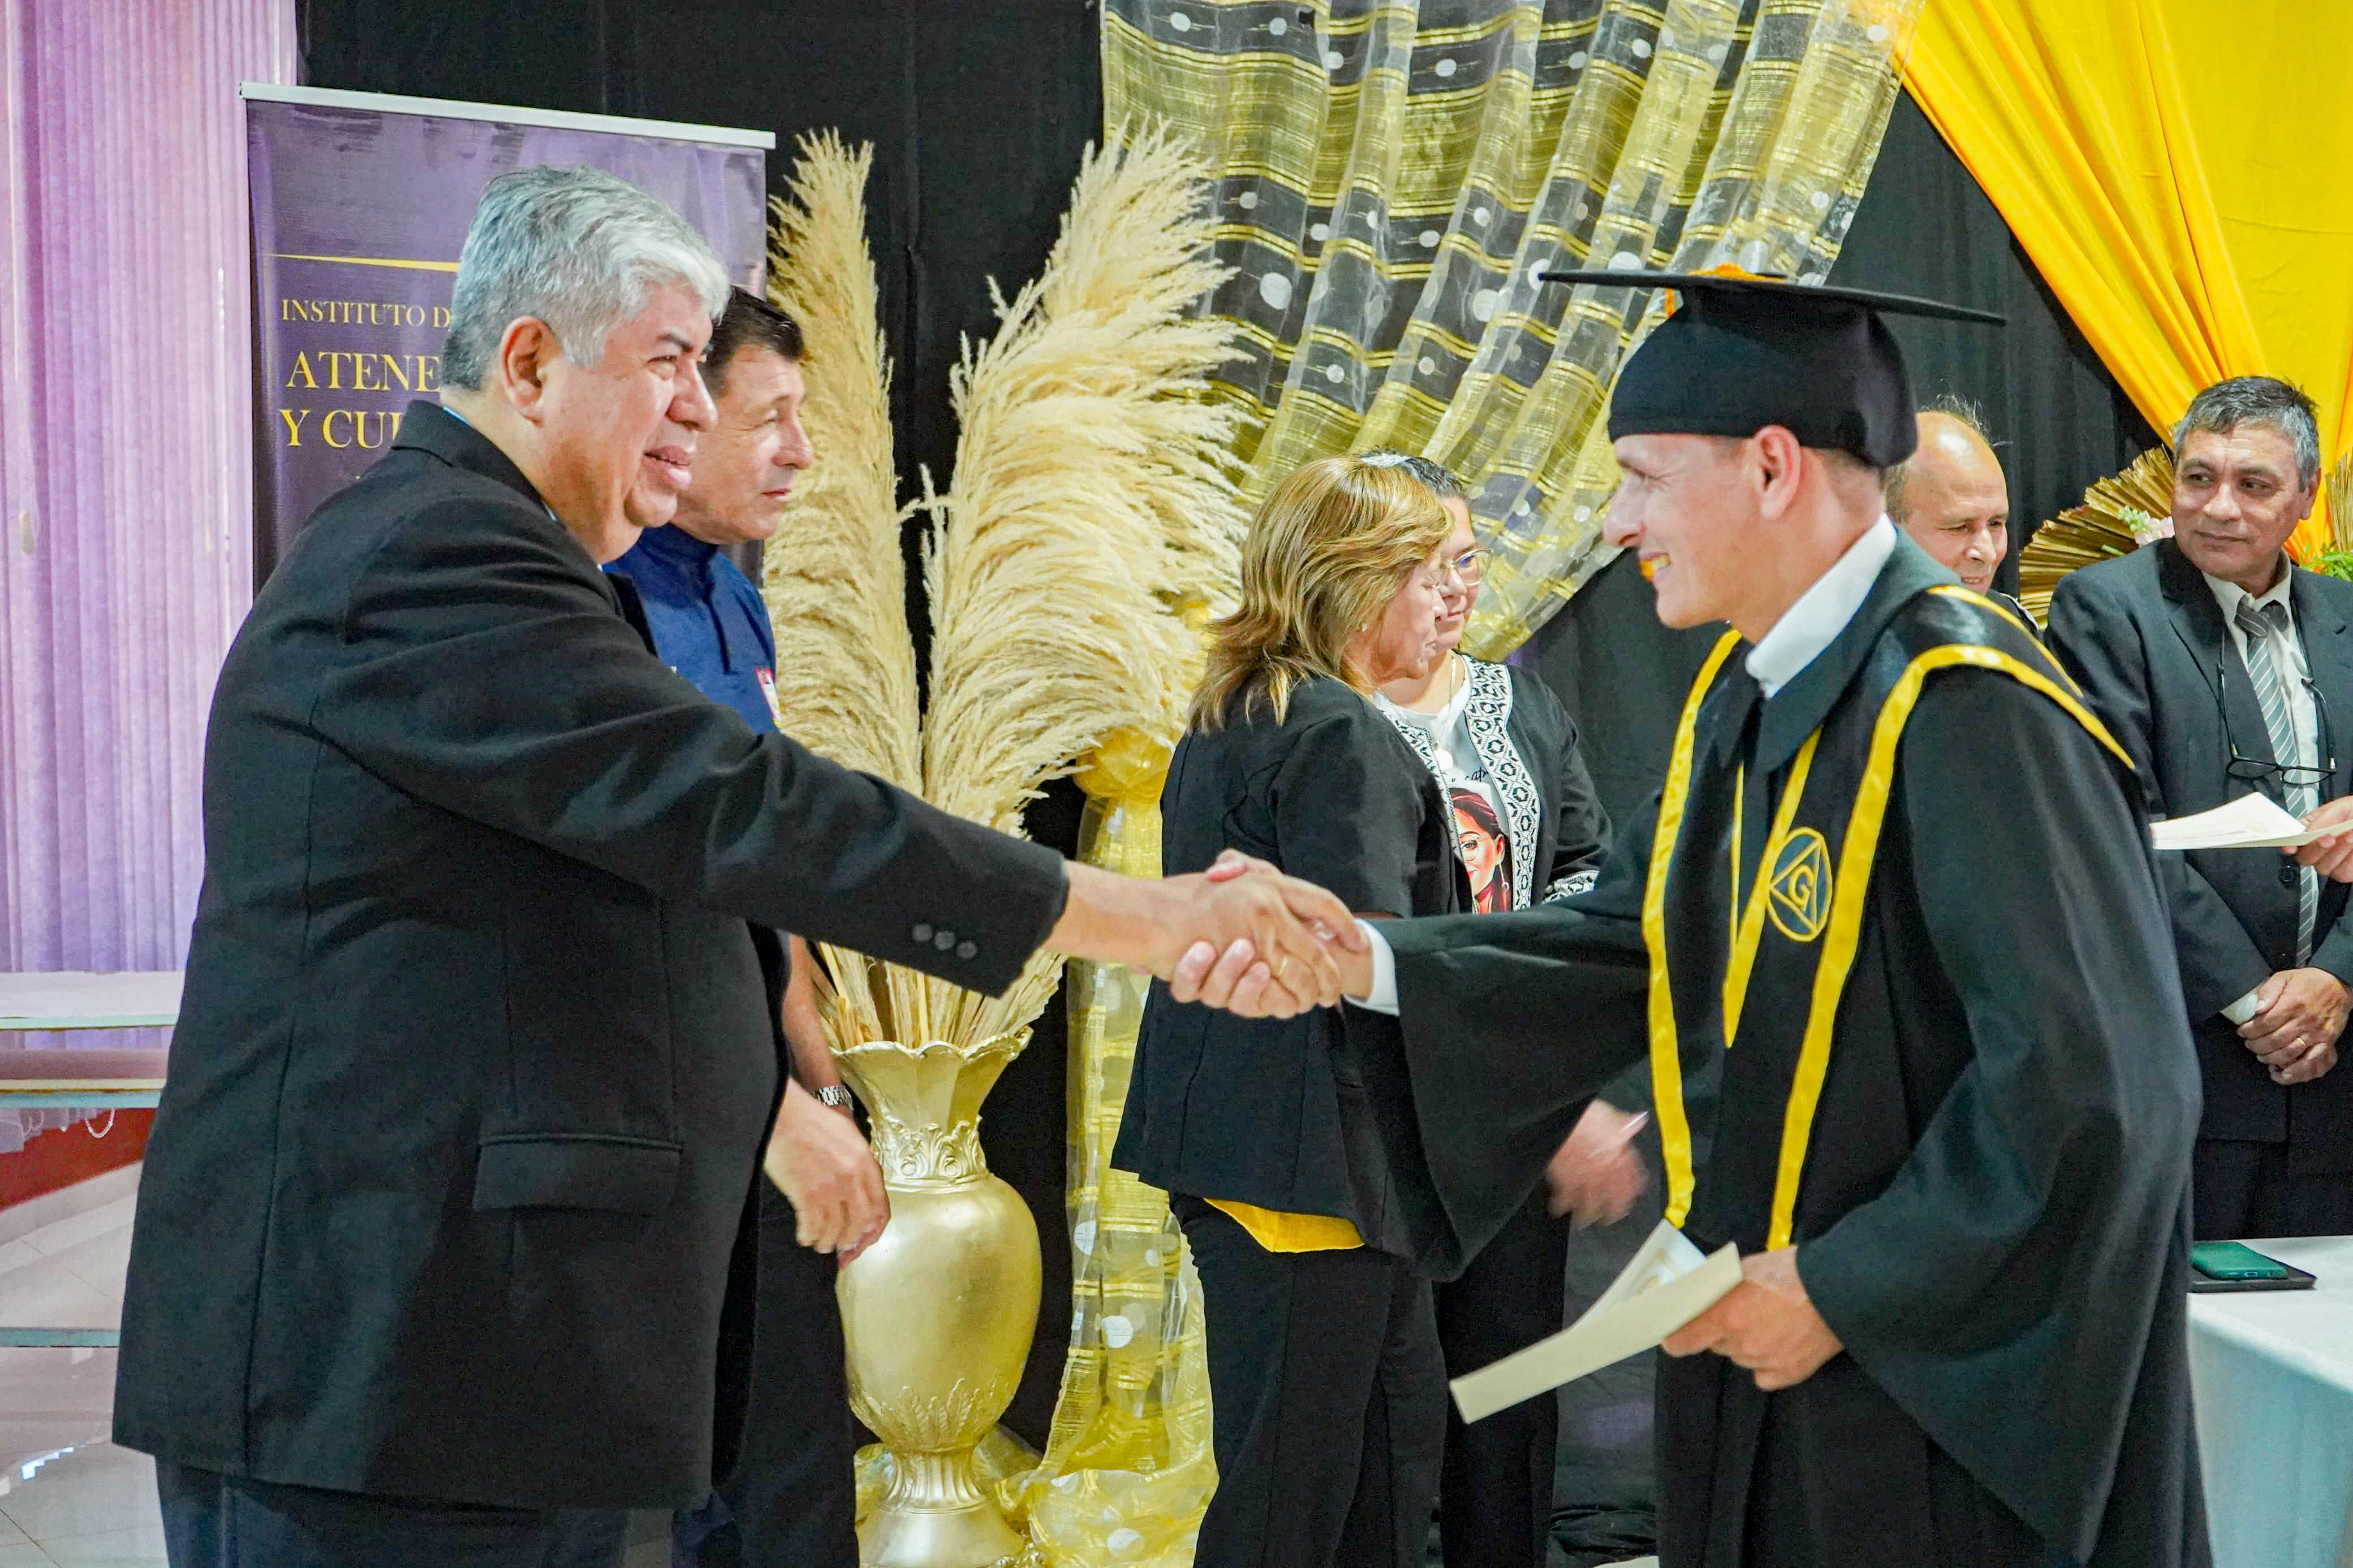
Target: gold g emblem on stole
point(1798, 895)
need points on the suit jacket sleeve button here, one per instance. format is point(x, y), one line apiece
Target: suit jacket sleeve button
point(2287, 876)
point(967, 950)
point(922, 934)
point(944, 940)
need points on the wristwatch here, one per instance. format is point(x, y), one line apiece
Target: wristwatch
point(834, 1095)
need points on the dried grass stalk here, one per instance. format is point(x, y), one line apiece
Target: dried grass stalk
point(835, 578)
point(834, 574)
point(1092, 498)
point(2338, 487)
point(2117, 516)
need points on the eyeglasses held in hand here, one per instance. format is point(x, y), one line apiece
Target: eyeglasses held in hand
point(2259, 770)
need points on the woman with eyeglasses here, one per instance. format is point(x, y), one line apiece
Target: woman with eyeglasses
point(1528, 827)
point(1328, 1390)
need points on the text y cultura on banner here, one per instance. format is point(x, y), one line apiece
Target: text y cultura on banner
point(360, 208)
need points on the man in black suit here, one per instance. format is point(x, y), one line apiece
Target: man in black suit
point(444, 1244)
point(2220, 665)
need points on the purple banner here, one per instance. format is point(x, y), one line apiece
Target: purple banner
point(358, 217)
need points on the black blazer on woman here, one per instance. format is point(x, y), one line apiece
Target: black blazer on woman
point(1272, 1111)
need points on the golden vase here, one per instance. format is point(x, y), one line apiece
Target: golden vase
point(938, 1313)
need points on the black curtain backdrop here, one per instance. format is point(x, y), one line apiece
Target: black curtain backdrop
point(2058, 420)
point(979, 111)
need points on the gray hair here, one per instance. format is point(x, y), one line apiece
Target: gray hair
point(1952, 405)
point(2257, 400)
point(578, 249)
point(1429, 472)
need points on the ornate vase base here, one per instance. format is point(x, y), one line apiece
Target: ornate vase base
point(918, 1533)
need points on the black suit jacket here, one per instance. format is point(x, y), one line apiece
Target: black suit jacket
point(2145, 637)
point(1272, 1111)
point(449, 1190)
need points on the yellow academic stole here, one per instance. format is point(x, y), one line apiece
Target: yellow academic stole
point(1763, 967)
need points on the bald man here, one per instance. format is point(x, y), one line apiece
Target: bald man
point(1953, 499)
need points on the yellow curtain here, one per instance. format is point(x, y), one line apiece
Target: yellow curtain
point(1127, 1469)
point(2181, 173)
point(1392, 175)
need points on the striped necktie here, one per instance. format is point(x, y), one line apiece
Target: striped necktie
point(2265, 626)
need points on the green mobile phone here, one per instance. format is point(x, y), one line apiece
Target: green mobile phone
point(2233, 1261)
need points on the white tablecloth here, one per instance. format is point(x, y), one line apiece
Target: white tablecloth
point(2272, 1372)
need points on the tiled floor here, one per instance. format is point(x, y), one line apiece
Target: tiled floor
point(69, 1498)
point(67, 1495)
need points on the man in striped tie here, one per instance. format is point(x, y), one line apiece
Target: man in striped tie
point(2220, 664)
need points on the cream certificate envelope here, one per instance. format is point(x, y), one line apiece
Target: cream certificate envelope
point(2250, 822)
point(1667, 1284)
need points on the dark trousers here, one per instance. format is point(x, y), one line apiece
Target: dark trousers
point(792, 1499)
point(1329, 1395)
point(2239, 1188)
point(1494, 1495)
point(212, 1521)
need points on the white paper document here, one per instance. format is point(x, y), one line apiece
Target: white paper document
point(1667, 1284)
point(2250, 822)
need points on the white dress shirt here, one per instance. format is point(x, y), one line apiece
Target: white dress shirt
point(2303, 717)
point(1794, 641)
point(1821, 612)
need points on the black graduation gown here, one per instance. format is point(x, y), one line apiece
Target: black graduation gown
point(1993, 1211)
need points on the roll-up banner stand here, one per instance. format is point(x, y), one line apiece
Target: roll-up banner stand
point(360, 208)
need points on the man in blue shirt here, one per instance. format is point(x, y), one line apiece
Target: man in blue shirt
point(792, 1498)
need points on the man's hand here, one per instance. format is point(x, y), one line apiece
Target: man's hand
point(1767, 1324)
point(2314, 1062)
point(1205, 975)
point(821, 1162)
point(2331, 857)
point(1596, 1176)
point(1293, 930)
point(2299, 1013)
point(1253, 940)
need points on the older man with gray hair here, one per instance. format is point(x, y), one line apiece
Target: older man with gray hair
point(444, 1246)
point(2220, 665)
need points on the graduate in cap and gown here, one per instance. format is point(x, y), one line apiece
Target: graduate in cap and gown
point(1892, 941)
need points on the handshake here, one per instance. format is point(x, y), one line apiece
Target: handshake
point(1240, 936)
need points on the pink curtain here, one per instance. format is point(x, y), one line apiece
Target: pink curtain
point(125, 455)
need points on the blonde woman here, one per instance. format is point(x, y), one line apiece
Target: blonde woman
point(1328, 1387)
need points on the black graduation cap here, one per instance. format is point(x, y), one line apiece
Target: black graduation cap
point(1744, 351)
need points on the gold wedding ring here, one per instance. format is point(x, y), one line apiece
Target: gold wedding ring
point(1281, 964)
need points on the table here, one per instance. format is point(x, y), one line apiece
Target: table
point(95, 1077)
point(84, 1001)
point(2272, 1374)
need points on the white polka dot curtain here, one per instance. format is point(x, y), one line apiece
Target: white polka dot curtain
point(1391, 178)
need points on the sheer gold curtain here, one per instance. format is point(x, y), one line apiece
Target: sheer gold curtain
point(1127, 1469)
point(1393, 176)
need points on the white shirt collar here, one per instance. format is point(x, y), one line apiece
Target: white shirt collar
point(2228, 594)
point(1822, 611)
